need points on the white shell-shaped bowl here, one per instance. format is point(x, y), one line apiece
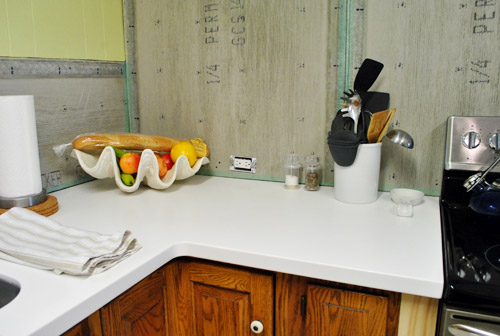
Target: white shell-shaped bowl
point(106, 166)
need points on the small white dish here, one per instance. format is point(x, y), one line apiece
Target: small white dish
point(406, 199)
point(106, 166)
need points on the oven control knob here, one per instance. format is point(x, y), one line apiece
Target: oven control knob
point(494, 141)
point(471, 139)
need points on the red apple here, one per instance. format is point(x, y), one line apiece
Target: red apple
point(168, 160)
point(129, 163)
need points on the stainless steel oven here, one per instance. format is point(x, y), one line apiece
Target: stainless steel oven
point(471, 229)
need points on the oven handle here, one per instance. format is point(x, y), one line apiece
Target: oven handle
point(464, 330)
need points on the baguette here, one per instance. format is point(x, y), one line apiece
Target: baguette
point(95, 143)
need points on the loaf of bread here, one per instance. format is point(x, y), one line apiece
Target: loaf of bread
point(95, 143)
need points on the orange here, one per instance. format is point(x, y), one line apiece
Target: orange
point(184, 148)
point(162, 165)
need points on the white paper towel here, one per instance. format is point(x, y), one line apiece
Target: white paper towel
point(20, 164)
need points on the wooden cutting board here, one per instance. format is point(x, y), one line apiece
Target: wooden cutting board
point(47, 208)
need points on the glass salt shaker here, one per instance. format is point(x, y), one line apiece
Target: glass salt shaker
point(312, 172)
point(292, 171)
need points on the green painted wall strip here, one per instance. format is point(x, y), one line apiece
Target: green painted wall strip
point(69, 184)
point(129, 71)
point(127, 98)
point(344, 52)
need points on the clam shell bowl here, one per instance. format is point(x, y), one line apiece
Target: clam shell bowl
point(106, 166)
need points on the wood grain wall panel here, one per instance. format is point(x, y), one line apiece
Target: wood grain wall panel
point(276, 92)
point(249, 77)
point(418, 316)
point(441, 59)
point(65, 108)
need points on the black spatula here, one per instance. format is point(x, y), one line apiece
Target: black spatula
point(367, 75)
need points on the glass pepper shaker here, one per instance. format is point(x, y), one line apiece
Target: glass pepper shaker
point(312, 172)
point(292, 170)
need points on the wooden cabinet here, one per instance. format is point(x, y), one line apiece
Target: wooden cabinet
point(311, 307)
point(139, 311)
point(207, 299)
point(213, 299)
point(191, 297)
point(333, 311)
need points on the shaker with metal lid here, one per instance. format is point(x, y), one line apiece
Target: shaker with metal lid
point(312, 172)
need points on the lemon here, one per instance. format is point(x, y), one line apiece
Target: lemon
point(184, 148)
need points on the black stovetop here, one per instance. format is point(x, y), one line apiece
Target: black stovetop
point(471, 246)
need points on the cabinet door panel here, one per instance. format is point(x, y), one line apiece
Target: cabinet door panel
point(206, 299)
point(340, 312)
point(148, 319)
point(139, 311)
point(220, 312)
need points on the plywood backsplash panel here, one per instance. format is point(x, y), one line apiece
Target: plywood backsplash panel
point(65, 108)
point(441, 59)
point(249, 77)
point(276, 92)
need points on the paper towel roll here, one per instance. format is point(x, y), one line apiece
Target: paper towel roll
point(19, 160)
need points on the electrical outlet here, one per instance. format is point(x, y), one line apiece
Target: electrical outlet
point(242, 164)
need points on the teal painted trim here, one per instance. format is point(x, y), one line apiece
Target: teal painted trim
point(127, 96)
point(69, 184)
point(427, 192)
point(245, 176)
point(344, 52)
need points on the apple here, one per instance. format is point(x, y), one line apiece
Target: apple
point(129, 163)
point(163, 167)
point(168, 160)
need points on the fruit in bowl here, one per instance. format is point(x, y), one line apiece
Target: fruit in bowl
point(168, 160)
point(136, 165)
point(184, 148)
point(129, 163)
point(162, 165)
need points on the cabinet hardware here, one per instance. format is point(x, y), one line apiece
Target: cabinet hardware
point(257, 327)
point(303, 305)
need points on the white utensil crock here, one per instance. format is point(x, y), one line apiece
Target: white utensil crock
point(358, 183)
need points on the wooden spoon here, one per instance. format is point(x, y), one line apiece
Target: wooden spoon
point(384, 130)
point(376, 126)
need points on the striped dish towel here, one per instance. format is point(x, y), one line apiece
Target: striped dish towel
point(34, 240)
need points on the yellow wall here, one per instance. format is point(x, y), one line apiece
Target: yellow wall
point(69, 29)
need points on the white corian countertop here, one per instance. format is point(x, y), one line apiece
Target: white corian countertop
point(243, 222)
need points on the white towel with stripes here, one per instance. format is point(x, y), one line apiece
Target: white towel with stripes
point(34, 240)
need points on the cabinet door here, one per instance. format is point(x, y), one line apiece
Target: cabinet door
point(205, 299)
point(340, 312)
point(139, 311)
point(306, 306)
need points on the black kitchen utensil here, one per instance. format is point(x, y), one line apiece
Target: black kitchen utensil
point(367, 75)
point(343, 140)
point(343, 146)
point(375, 101)
point(339, 123)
